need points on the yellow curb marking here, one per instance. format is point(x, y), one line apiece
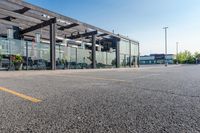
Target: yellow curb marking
point(34, 100)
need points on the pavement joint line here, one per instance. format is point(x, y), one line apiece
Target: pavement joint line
point(88, 77)
point(147, 76)
point(28, 98)
point(118, 80)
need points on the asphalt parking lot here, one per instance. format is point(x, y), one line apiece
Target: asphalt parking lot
point(149, 99)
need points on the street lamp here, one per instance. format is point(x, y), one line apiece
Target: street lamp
point(177, 43)
point(166, 63)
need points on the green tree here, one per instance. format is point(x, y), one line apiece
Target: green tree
point(186, 57)
point(197, 55)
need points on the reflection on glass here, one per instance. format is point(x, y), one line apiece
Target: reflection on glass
point(129, 53)
point(67, 57)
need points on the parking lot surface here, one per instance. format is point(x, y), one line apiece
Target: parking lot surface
point(149, 99)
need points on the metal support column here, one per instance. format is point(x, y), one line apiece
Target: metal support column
point(177, 53)
point(130, 52)
point(116, 41)
point(10, 38)
point(93, 51)
point(138, 54)
point(166, 62)
point(52, 45)
point(76, 58)
point(26, 55)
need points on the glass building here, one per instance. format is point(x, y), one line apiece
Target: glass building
point(129, 53)
point(157, 59)
point(53, 41)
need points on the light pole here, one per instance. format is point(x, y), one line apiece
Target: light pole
point(177, 52)
point(166, 63)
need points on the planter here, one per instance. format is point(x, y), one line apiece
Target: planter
point(18, 66)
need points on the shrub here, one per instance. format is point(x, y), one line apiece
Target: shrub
point(18, 59)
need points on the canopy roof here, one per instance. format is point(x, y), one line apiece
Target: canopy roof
point(32, 19)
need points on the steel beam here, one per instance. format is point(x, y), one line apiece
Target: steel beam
point(53, 45)
point(68, 26)
point(38, 26)
point(83, 35)
point(104, 34)
point(93, 51)
point(18, 16)
point(21, 11)
point(62, 17)
point(58, 16)
point(9, 23)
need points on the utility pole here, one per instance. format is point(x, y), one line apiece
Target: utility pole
point(177, 52)
point(166, 63)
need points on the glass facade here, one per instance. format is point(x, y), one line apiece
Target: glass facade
point(124, 53)
point(79, 45)
point(67, 56)
point(134, 53)
point(105, 59)
point(129, 53)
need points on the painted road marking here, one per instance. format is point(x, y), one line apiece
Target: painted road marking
point(34, 100)
point(89, 77)
point(107, 79)
point(147, 76)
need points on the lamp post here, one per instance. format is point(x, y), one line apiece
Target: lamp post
point(166, 63)
point(177, 52)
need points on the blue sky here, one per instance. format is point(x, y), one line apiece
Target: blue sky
point(141, 20)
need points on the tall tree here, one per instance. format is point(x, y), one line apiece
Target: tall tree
point(186, 57)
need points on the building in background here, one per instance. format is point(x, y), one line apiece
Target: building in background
point(36, 38)
point(157, 59)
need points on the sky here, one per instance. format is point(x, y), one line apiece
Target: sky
point(141, 20)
